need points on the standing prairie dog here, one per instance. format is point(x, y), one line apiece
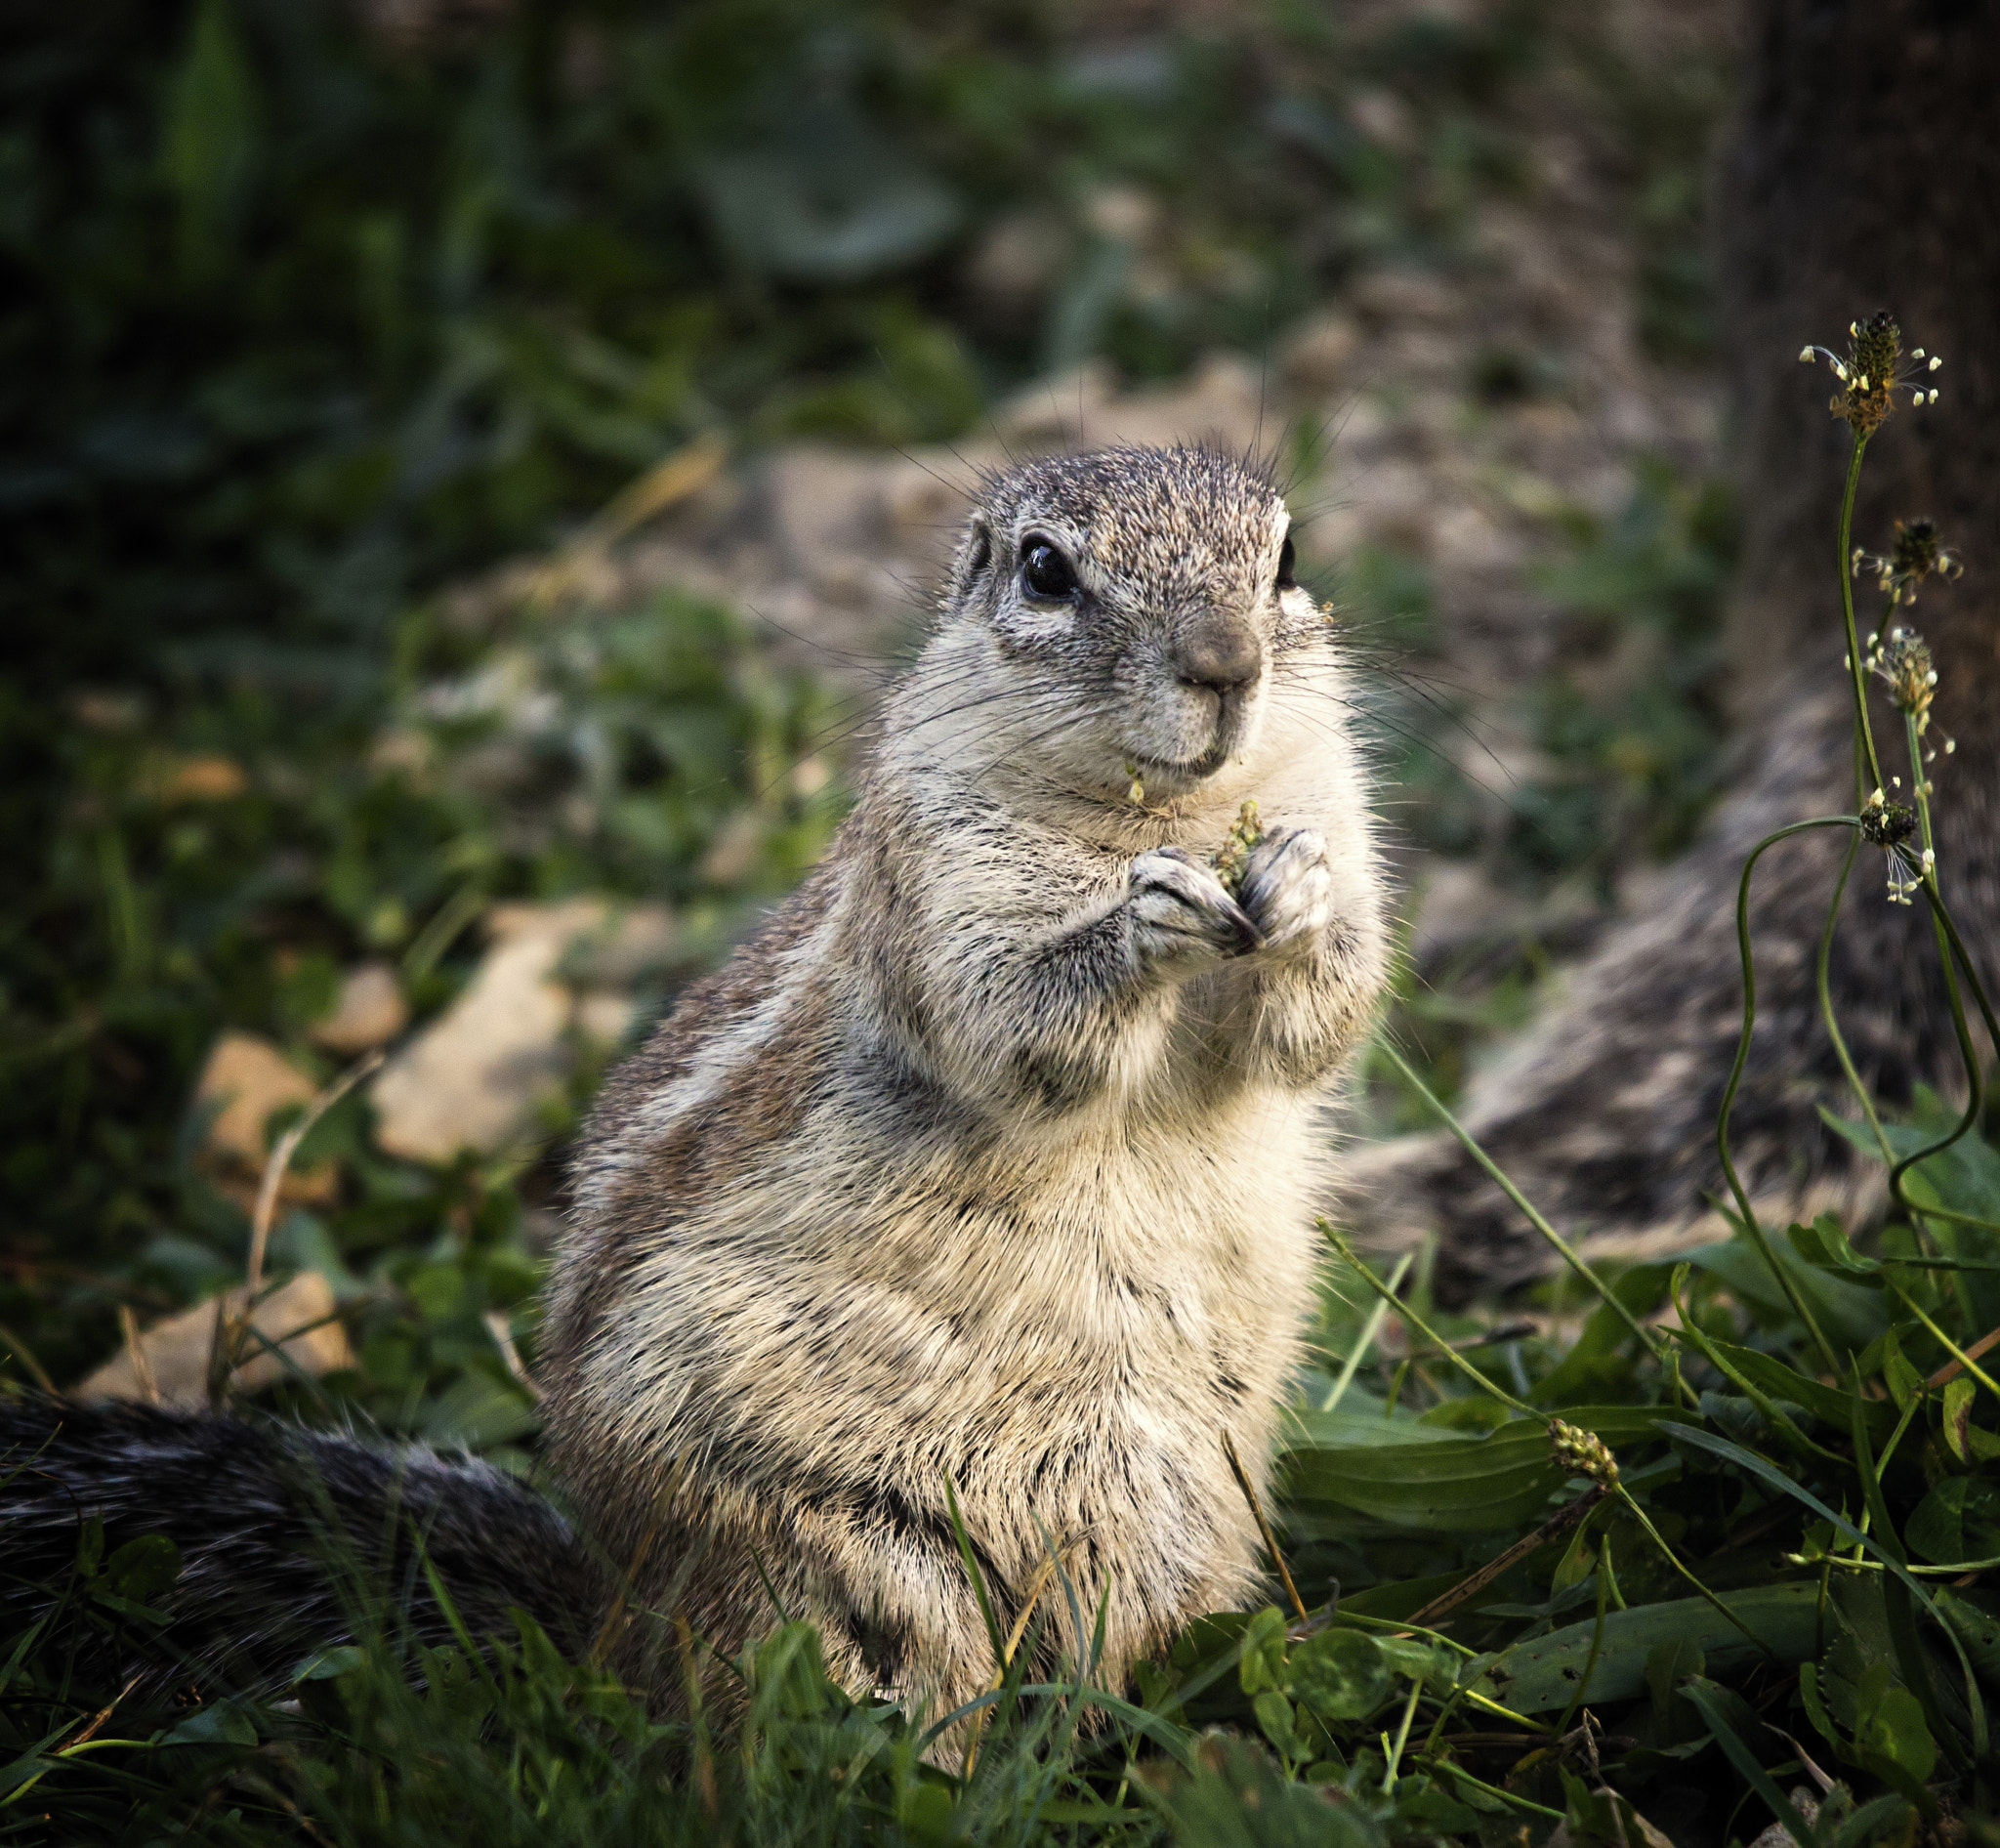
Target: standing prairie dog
point(987, 1168)
point(990, 1161)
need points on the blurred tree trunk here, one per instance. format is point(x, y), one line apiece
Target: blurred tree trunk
point(1862, 171)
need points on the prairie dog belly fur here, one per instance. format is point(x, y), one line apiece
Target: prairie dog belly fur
point(992, 1161)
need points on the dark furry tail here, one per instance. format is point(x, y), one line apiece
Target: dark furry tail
point(290, 1540)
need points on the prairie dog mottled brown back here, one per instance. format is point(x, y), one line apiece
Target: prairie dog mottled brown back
point(991, 1160)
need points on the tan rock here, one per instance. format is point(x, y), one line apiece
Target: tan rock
point(605, 1017)
point(475, 1077)
point(293, 1329)
point(246, 1081)
point(205, 778)
point(369, 1011)
point(627, 944)
point(1318, 356)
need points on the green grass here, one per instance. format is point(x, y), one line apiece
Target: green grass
point(316, 325)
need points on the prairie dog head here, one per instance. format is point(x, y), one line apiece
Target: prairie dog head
point(1120, 615)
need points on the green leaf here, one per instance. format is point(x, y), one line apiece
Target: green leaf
point(1542, 1673)
point(1786, 1384)
point(329, 1664)
point(1237, 1798)
point(1667, 1665)
point(141, 1568)
point(1275, 1717)
point(219, 1723)
point(1903, 1380)
point(209, 148)
point(1262, 1663)
point(1640, 1290)
point(1340, 1675)
point(1816, 1708)
point(1308, 1429)
point(1824, 1245)
point(1850, 1316)
point(1978, 1632)
point(1958, 1418)
point(1958, 1520)
point(1732, 1724)
point(1894, 1727)
point(1455, 1484)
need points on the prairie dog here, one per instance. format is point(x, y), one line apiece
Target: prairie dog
point(991, 1160)
point(986, 1169)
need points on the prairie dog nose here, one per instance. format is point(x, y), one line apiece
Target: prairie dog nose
point(1218, 652)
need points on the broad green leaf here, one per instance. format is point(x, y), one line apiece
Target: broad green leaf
point(1850, 1316)
point(1903, 1380)
point(1343, 1428)
point(1958, 1418)
point(1340, 1675)
point(477, 1410)
point(141, 1568)
point(1667, 1665)
point(1534, 1676)
point(1958, 1520)
point(1640, 1289)
point(1274, 1716)
point(1828, 1404)
point(1262, 1663)
point(1455, 1484)
point(1824, 1245)
point(1978, 1632)
point(219, 1723)
point(1894, 1727)
point(1451, 1485)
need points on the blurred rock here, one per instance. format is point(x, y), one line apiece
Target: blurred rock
point(1395, 294)
point(1318, 357)
point(473, 1076)
point(476, 1076)
point(246, 1081)
point(606, 1018)
point(208, 778)
point(1014, 263)
point(626, 946)
point(369, 1012)
point(171, 1367)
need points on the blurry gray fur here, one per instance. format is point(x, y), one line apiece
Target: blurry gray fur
point(1859, 174)
point(290, 1540)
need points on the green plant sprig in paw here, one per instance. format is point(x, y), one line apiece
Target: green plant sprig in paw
point(1233, 859)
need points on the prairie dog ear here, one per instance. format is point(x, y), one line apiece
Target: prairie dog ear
point(974, 559)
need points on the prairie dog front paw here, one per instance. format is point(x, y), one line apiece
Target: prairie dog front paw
point(1287, 889)
point(1183, 914)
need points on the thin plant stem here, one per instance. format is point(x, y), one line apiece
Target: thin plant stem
point(1950, 1346)
point(1278, 1558)
point(1824, 974)
point(1402, 1735)
point(281, 1159)
point(1561, 1246)
point(1672, 1558)
point(1554, 1528)
point(1429, 1334)
point(1847, 605)
point(1955, 957)
point(1596, 1634)
point(1369, 1330)
point(1785, 1281)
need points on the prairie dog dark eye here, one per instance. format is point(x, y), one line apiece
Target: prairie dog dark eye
point(1045, 571)
point(1287, 563)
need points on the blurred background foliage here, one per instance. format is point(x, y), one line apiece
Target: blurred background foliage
point(314, 310)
